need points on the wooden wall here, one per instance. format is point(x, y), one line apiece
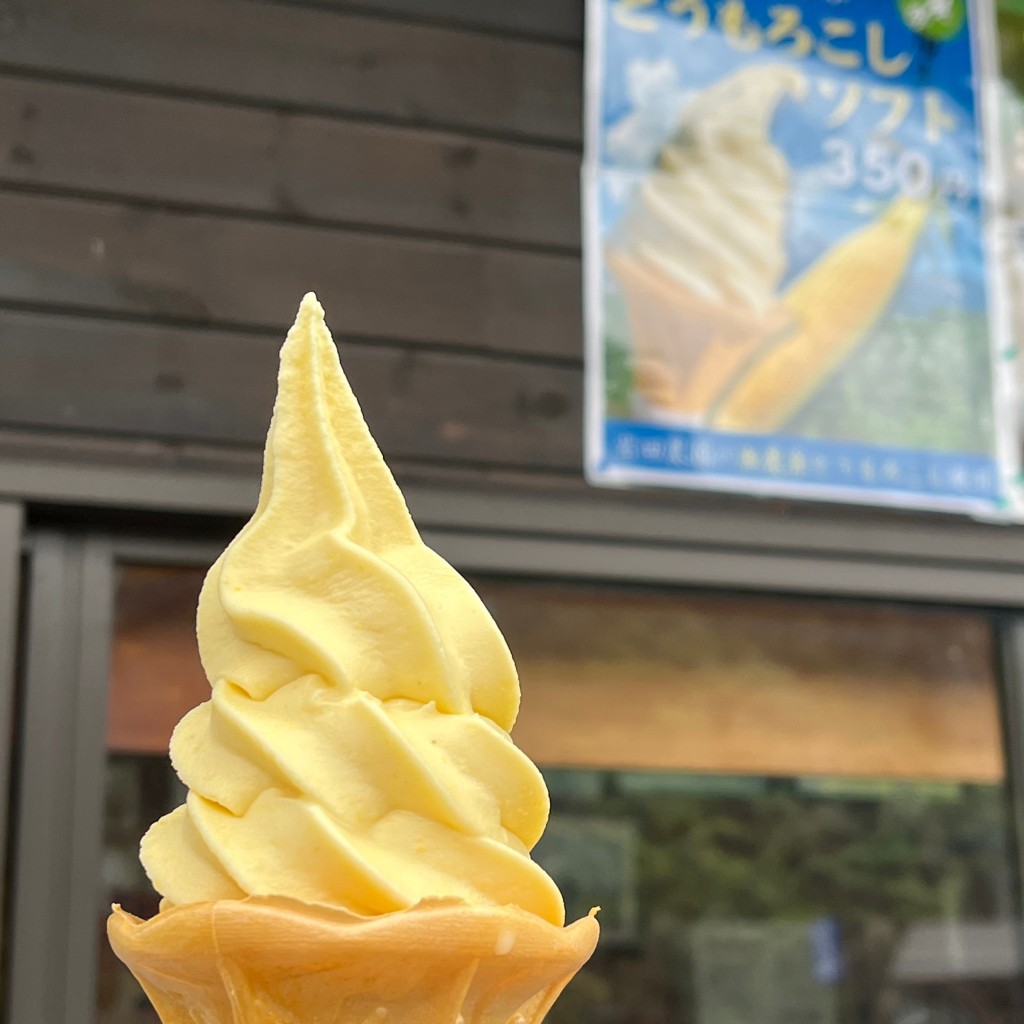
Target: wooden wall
point(174, 176)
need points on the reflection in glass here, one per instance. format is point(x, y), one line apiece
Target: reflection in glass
point(155, 678)
point(790, 812)
point(140, 789)
point(770, 901)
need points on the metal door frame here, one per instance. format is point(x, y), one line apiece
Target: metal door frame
point(59, 782)
point(11, 525)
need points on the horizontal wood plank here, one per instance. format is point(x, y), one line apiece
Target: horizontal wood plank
point(107, 377)
point(311, 58)
point(552, 19)
point(212, 154)
point(111, 258)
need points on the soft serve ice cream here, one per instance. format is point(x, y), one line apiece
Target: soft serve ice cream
point(711, 216)
point(355, 750)
point(352, 775)
point(699, 253)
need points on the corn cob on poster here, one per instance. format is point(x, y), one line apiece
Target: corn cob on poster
point(789, 276)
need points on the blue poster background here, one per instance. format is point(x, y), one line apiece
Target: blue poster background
point(908, 415)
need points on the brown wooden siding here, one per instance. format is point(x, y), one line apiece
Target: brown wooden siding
point(306, 57)
point(227, 157)
point(110, 257)
point(148, 381)
point(173, 177)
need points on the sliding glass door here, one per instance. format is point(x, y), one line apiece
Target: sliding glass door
point(791, 810)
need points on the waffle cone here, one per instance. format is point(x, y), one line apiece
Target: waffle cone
point(270, 960)
point(686, 349)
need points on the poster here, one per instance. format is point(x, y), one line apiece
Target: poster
point(792, 231)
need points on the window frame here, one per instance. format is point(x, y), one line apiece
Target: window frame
point(59, 775)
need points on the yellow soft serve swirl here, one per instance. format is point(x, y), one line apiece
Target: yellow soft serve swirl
point(355, 750)
point(711, 216)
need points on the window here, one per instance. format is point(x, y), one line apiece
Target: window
point(791, 812)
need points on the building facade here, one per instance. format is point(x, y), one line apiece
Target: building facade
point(784, 741)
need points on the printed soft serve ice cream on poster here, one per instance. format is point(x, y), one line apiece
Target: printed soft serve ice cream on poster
point(700, 258)
point(699, 253)
point(355, 842)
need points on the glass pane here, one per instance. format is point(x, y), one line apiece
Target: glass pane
point(155, 672)
point(768, 687)
point(140, 788)
point(790, 812)
point(155, 678)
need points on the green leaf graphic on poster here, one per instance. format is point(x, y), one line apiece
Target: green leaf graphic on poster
point(938, 20)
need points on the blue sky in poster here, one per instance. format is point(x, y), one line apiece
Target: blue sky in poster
point(649, 75)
